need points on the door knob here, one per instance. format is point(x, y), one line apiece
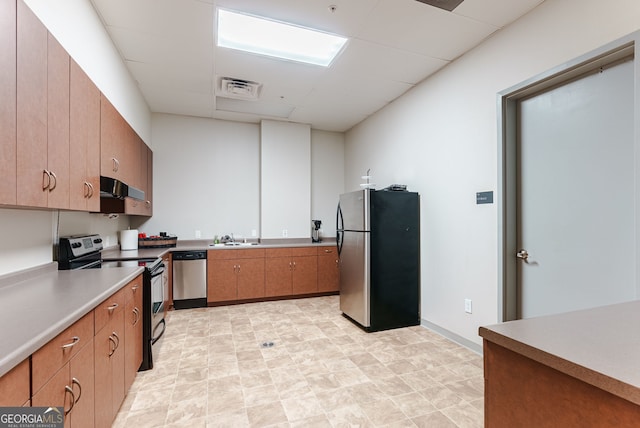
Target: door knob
point(522, 254)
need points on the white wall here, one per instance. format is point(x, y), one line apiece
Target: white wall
point(207, 177)
point(285, 179)
point(327, 178)
point(441, 140)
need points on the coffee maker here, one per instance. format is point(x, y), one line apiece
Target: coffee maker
point(315, 230)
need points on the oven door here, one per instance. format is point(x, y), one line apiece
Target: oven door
point(158, 290)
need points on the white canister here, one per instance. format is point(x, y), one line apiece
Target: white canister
point(129, 239)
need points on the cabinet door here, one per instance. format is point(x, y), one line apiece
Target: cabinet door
point(328, 270)
point(14, 385)
point(57, 124)
point(31, 105)
point(133, 339)
point(84, 141)
point(111, 137)
point(250, 278)
point(8, 101)
point(305, 274)
point(109, 370)
point(278, 276)
point(55, 394)
point(82, 382)
point(149, 192)
point(221, 280)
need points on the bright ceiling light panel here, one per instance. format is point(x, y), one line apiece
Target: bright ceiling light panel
point(277, 39)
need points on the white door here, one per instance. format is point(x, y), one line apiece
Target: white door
point(575, 195)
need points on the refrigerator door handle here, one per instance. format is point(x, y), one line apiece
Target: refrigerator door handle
point(339, 226)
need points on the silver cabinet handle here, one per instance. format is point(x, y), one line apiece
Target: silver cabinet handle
point(75, 381)
point(136, 312)
point(112, 307)
point(523, 254)
point(112, 341)
point(117, 338)
point(328, 251)
point(294, 265)
point(55, 181)
point(68, 389)
point(46, 179)
point(89, 190)
point(74, 340)
point(116, 164)
point(148, 203)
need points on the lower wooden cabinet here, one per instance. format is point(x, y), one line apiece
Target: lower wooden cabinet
point(14, 386)
point(328, 270)
point(277, 272)
point(62, 373)
point(72, 387)
point(88, 368)
point(235, 275)
point(132, 332)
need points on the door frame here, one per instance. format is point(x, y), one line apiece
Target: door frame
point(507, 102)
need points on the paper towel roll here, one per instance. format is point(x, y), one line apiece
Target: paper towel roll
point(129, 239)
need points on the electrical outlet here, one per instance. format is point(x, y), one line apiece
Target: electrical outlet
point(285, 233)
point(467, 306)
point(198, 234)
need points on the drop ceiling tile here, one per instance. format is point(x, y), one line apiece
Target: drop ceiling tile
point(423, 29)
point(174, 77)
point(362, 57)
point(496, 12)
point(144, 47)
point(166, 100)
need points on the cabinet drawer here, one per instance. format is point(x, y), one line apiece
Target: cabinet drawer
point(324, 251)
point(46, 361)
point(277, 252)
point(235, 254)
point(132, 289)
point(304, 251)
point(14, 386)
point(108, 309)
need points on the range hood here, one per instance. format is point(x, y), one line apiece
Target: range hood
point(114, 188)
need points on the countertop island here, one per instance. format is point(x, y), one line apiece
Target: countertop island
point(579, 368)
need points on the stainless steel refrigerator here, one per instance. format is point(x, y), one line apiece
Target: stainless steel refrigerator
point(378, 239)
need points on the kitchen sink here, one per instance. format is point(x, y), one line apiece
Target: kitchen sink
point(239, 244)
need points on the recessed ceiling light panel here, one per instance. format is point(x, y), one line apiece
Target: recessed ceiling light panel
point(277, 39)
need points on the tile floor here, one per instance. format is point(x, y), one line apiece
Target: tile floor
point(321, 371)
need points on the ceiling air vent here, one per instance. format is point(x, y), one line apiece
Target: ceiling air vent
point(238, 89)
point(443, 4)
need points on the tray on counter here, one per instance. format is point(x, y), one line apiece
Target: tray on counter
point(157, 242)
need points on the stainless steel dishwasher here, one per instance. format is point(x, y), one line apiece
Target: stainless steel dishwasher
point(189, 279)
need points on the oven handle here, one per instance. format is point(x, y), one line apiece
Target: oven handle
point(164, 327)
point(158, 271)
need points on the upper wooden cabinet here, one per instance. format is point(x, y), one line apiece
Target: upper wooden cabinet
point(84, 124)
point(57, 174)
point(8, 102)
point(58, 133)
point(31, 109)
point(119, 146)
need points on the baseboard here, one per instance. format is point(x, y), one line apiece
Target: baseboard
point(452, 336)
